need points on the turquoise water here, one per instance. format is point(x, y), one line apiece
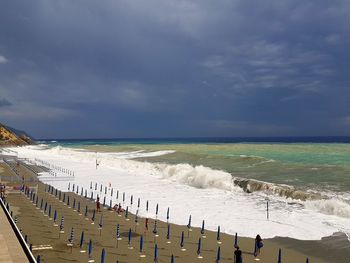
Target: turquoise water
point(316, 166)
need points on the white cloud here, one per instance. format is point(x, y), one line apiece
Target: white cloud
point(3, 59)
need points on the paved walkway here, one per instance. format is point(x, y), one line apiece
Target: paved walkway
point(10, 248)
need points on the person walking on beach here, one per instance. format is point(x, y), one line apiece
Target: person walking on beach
point(238, 255)
point(98, 204)
point(258, 245)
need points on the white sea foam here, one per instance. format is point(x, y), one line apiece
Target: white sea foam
point(330, 207)
point(199, 191)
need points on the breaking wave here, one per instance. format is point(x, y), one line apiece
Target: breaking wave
point(205, 177)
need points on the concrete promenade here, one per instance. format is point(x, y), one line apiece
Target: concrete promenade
point(10, 248)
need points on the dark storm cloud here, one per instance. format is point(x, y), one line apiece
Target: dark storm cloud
point(4, 102)
point(175, 68)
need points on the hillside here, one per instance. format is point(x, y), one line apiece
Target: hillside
point(10, 136)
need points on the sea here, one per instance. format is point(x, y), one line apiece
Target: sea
point(224, 181)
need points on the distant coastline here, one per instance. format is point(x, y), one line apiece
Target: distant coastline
point(184, 140)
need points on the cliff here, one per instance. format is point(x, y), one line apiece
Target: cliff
point(12, 137)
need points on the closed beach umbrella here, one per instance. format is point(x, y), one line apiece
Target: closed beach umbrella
point(199, 246)
point(105, 190)
point(167, 214)
point(92, 195)
point(182, 239)
point(129, 237)
point(101, 189)
point(74, 203)
point(110, 204)
point(131, 199)
point(81, 239)
point(172, 259)
point(138, 203)
point(64, 197)
point(189, 222)
point(41, 204)
point(118, 231)
point(68, 186)
point(85, 193)
point(77, 190)
point(86, 211)
point(236, 241)
point(126, 212)
point(156, 253)
point(218, 234)
point(95, 186)
point(136, 217)
point(103, 254)
point(90, 248)
point(45, 207)
point(141, 244)
point(147, 206)
point(50, 211)
point(168, 232)
point(36, 201)
point(157, 210)
point(104, 201)
point(82, 191)
point(218, 255)
point(117, 195)
point(71, 236)
point(202, 229)
point(55, 217)
point(279, 256)
point(155, 230)
point(111, 192)
point(93, 215)
point(90, 185)
point(79, 207)
point(62, 223)
point(123, 197)
point(68, 200)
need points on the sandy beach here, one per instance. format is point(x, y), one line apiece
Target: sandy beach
point(52, 246)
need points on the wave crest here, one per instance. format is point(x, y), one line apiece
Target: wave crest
point(197, 176)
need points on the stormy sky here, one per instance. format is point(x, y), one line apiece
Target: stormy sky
point(159, 68)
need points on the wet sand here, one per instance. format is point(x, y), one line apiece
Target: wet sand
point(42, 233)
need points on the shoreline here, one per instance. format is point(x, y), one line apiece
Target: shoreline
point(292, 250)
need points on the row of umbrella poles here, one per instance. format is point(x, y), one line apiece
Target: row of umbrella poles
point(50, 189)
point(155, 232)
point(34, 198)
point(141, 244)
